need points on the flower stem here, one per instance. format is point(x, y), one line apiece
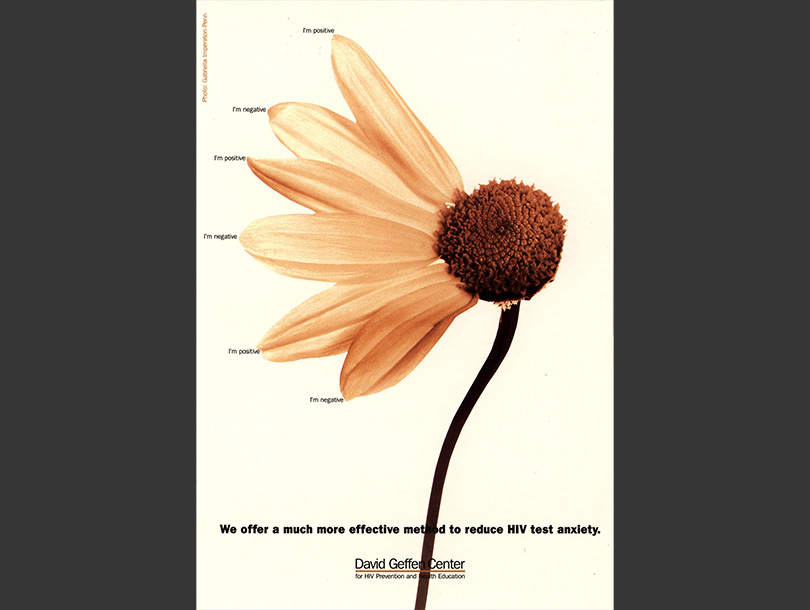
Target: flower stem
point(503, 339)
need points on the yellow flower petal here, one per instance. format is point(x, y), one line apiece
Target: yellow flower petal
point(390, 125)
point(315, 132)
point(398, 337)
point(327, 323)
point(336, 247)
point(324, 187)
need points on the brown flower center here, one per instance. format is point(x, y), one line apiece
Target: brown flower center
point(503, 241)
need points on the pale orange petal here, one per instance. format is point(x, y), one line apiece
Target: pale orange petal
point(327, 323)
point(398, 337)
point(314, 132)
point(336, 247)
point(391, 126)
point(324, 187)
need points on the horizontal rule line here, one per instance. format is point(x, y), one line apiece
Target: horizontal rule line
point(401, 571)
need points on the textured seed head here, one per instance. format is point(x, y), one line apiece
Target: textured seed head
point(503, 241)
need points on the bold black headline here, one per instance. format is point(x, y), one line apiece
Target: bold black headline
point(362, 528)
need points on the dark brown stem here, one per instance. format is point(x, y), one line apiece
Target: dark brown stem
point(503, 339)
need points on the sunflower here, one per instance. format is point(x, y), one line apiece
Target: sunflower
point(406, 248)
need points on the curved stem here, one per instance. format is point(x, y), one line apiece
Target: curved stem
point(503, 339)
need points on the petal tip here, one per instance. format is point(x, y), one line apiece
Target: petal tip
point(342, 44)
point(274, 110)
point(349, 390)
point(244, 238)
point(352, 385)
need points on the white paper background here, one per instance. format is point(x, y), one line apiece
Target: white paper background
point(510, 89)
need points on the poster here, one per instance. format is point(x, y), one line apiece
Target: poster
point(511, 90)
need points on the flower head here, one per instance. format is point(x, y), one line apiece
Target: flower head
point(406, 248)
